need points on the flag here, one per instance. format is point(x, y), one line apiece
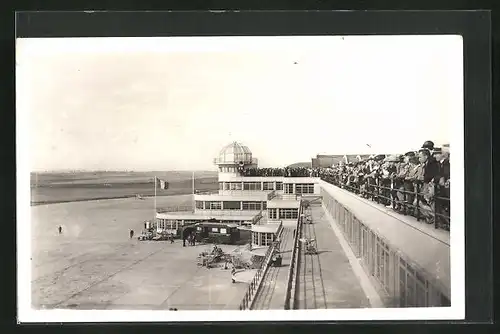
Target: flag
point(162, 184)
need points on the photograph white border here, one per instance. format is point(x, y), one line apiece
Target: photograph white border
point(457, 231)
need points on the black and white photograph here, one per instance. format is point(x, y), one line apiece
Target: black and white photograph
point(195, 178)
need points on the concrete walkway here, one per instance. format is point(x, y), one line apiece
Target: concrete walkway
point(271, 295)
point(327, 280)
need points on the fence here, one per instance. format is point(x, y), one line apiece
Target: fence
point(421, 200)
point(255, 284)
point(288, 172)
point(228, 212)
point(241, 192)
point(293, 270)
point(180, 208)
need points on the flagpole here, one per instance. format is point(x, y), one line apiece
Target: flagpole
point(193, 191)
point(156, 181)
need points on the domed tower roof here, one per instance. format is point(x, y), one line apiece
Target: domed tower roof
point(235, 153)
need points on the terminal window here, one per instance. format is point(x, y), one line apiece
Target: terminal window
point(255, 238)
point(199, 205)
point(268, 186)
point(252, 206)
point(213, 205)
point(279, 185)
point(235, 186)
point(267, 239)
point(288, 213)
point(228, 169)
point(251, 186)
point(272, 213)
point(289, 188)
point(307, 188)
point(232, 205)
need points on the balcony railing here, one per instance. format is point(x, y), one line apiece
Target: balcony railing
point(253, 161)
point(179, 208)
point(232, 192)
point(425, 201)
point(291, 296)
point(256, 283)
point(226, 212)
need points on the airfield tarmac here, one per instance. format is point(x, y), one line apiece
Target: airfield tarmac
point(95, 265)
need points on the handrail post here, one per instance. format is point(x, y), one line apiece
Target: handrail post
point(417, 197)
point(435, 208)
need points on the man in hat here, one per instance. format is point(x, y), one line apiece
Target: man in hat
point(399, 179)
point(414, 170)
point(443, 180)
point(430, 174)
point(385, 182)
point(372, 176)
point(428, 145)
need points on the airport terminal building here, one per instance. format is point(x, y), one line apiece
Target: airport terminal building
point(259, 203)
point(407, 264)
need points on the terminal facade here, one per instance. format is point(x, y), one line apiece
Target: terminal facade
point(408, 268)
point(258, 203)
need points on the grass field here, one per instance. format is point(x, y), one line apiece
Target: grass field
point(81, 186)
point(94, 265)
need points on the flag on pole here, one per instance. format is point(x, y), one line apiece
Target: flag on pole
point(162, 184)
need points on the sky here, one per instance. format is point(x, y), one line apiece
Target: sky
point(173, 103)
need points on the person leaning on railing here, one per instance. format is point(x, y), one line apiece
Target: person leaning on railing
point(443, 187)
point(385, 184)
point(399, 182)
point(371, 179)
point(411, 177)
point(427, 177)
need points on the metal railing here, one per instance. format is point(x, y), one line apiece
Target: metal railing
point(246, 161)
point(227, 212)
point(179, 208)
point(221, 192)
point(284, 172)
point(423, 201)
point(255, 284)
point(289, 197)
point(293, 270)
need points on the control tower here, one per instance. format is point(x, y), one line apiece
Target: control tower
point(233, 158)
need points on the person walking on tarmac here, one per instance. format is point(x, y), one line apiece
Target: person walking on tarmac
point(60, 229)
point(131, 233)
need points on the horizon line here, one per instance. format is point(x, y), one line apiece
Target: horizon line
point(69, 170)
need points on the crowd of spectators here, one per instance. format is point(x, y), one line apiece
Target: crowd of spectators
point(416, 183)
point(287, 172)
